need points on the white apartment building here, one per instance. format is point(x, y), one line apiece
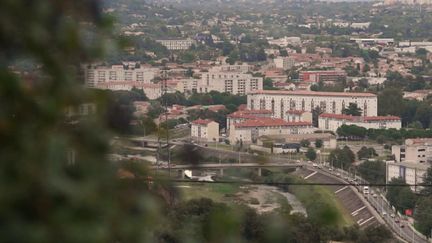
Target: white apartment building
point(151, 90)
point(177, 44)
point(205, 130)
point(97, 75)
point(188, 85)
point(231, 82)
point(331, 122)
point(250, 130)
point(243, 68)
point(412, 173)
point(284, 62)
point(279, 102)
point(418, 151)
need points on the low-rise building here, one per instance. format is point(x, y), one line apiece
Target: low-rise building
point(331, 122)
point(243, 115)
point(418, 151)
point(205, 130)
point(328, 139)
point(250, 130)
point(411, 173)
point(326, 76)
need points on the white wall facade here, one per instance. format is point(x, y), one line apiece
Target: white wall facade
point(175, 45)
point(230, 82)
point(205, 132)
point(332, 124)
point(95, 76)
point(279, 102)
point(412, 173)
point(249, 134)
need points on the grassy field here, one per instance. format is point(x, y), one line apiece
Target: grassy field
point(322, 205)
point(216, 192)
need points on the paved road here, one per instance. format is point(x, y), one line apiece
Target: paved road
point(385, 211)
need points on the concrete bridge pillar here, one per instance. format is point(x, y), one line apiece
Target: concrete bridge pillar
point(182, 172)
point(259, 172)
point(221, 172)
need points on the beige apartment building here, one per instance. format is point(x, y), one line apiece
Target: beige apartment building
point(205, 130)
point(177, 44)
point(279, 102)
point(237, 83)
point(128, 72)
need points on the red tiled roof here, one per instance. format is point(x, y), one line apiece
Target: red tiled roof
point(270, 122)
point(201, 122)
point(312, 93)
point(249, 113)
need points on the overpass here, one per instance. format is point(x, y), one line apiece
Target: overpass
point(222, 166)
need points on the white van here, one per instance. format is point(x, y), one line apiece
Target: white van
point(365, 190)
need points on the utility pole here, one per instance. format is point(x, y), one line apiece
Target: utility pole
point(165, 100)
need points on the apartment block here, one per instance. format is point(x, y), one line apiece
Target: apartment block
point(325, 76)
point(177, 44)
point(279, 101)
point(284, 63)
point(236, 83)
point(128, 72)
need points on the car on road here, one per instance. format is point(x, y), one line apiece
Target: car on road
point(402, 225)
point(330, 169)
point(392, 215)
point(384, 213)
point(338, 174)
point(314, 165)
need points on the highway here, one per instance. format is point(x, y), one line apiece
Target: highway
point(380, 205)
point(376, 204)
